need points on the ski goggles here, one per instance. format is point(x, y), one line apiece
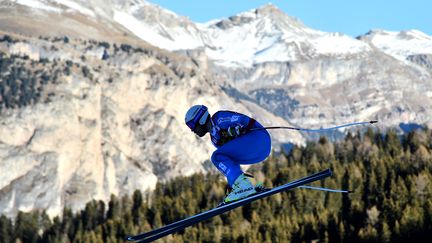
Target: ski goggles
point(201, 117)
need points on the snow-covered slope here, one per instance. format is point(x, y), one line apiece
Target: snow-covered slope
point(400, 44)
point(147, 21)
point(267, 34)
point(65, 6)
point(158, 26)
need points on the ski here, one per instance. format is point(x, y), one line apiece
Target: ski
point(181, 224)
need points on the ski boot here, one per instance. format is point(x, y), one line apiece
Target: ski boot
point(241, 188)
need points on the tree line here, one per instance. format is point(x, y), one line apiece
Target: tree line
point(391, 177)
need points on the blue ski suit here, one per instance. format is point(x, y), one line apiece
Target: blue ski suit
point(248, 148)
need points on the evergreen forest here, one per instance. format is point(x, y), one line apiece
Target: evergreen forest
point(390, 174)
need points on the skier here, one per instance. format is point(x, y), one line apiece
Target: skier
point(239, 139)
point(236, 144)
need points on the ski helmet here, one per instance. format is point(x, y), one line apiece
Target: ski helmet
point(196, 114)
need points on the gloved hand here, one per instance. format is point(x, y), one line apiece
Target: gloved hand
point(234, 131)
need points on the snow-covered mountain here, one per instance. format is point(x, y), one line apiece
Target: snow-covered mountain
point(407, 46)
point(260, 35)
point(267, 34)
point(118, 125)
point(295, 71)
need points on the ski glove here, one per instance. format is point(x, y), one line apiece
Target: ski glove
point(234, 131)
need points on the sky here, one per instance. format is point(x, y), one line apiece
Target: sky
point(352, 17)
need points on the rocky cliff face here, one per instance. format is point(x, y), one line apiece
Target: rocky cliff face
point(325, 91)
point(90, 119)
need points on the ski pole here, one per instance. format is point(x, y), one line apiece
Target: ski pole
point(315, 130)
point(325, 189)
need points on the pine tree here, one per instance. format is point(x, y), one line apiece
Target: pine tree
point(411, 222)
point(113, 208)
point(137, 201)
point(26, 226)
point(386, 234)
point(6, 229)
